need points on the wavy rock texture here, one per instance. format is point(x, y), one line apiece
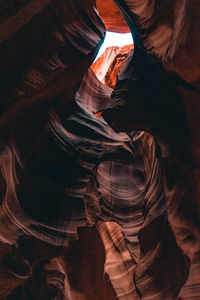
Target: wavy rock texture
point(132, 176)
point(151, 99)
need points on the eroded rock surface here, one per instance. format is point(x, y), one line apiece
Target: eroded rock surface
point(133, 175)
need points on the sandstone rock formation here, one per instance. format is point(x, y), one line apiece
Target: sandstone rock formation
point(108, 65)
point(128, 183)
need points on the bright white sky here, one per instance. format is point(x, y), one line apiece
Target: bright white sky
point(115, 39)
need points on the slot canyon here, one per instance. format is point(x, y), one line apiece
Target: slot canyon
point(99, 156)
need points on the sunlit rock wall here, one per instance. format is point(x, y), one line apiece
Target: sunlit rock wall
point(108, 65)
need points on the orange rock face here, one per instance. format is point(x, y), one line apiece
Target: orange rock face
point(111, 16)
point(108, 65)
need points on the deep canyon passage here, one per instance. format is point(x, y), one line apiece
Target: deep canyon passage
point(99, 160)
